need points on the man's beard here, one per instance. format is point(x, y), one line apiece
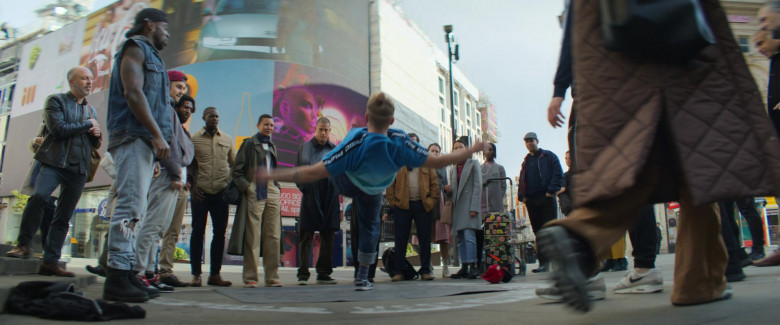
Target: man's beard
point(183, 119)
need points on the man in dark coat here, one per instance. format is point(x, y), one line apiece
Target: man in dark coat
point(319, 209)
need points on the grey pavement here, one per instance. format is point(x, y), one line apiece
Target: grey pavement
point(754, 302)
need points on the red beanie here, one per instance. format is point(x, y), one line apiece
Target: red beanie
point(174, 75)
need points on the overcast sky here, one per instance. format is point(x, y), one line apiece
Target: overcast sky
point(508, 48)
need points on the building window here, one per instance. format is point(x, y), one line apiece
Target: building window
point(455, 101)
point(441, 85)
point(744, 43)
point(443, 115)
point(468, 109)
point(479, 120)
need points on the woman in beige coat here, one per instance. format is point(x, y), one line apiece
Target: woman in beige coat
point(647, 132)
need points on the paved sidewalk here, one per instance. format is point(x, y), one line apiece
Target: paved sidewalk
point(754, 302)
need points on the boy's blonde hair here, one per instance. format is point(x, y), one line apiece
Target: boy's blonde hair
point(380, 110)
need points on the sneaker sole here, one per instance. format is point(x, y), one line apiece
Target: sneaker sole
point(646, 288)
point(568, 278)
point(364, 288)
point(592, 295)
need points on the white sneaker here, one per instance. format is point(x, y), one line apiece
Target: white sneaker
point(597, 290)
point(445, 271)
point(635, 282)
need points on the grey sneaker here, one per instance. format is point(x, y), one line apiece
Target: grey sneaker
point(363, 285)
point(596, 290)
point(634, 282)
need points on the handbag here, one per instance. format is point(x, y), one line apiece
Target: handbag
point(446, 212)
point(232, 193)
point(669, 30)
point(94, 158)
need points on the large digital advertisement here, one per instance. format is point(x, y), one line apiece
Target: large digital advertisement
point(297, 60)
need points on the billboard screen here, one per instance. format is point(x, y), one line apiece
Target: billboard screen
point(297, 60)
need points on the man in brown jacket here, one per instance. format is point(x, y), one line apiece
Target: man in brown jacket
point(413, 195)
point(650, 132)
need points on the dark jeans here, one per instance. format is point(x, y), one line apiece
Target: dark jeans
point(324, 260)
point(729, 231)
point(354, 234)
point(367, 211)
point(71, 184)
point(541, 210)
point(48, 217)
point(747, 207)
point(480, 234)
point(217, 207)
point(403, 227)
point(644, 240)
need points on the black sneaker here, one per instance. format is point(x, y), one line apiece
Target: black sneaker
point(326, 280)
point(363, 285)
point(154, 281)
point(173, 281)
point(757, 254)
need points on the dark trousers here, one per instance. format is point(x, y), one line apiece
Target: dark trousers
point(403, 227)
point(324, 264)
point(71, 185)
point(480, 234)
point(217, 207)
point(354, 234)
point(541, 210)
point(747, 207)
point(48, 217)
point(643, 239)
point(729, 231)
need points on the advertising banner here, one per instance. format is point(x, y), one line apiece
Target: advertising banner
point(44, 66)
point(290, 202)
point(104, 36)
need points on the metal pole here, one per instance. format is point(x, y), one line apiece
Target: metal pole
point(452, 101)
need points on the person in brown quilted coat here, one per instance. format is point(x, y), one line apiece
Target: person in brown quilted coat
point(648, 132)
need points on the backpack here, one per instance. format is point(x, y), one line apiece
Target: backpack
point(388, 260)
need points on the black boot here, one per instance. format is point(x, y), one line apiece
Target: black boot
point(118, 287)
point(621, 264)
point(608, 265)
point(473, 273)
point(462, 273)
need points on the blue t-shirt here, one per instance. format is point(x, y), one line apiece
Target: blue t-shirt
point(371, 160)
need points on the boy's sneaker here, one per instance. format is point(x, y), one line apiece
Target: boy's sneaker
point(154, 281)
point(302, 282)
point(363, 285)
point(635, 282)
point(596, 289)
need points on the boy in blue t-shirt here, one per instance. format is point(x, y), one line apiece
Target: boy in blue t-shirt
point(363, 166)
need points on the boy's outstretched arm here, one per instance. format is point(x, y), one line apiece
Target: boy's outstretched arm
point(454, 157)
point(300, 174)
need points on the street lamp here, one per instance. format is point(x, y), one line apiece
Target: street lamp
point(450, 54)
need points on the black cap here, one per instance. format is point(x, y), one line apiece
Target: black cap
point(148, 14)
point(530, 135)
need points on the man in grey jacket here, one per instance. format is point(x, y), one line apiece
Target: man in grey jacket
point(65, 161)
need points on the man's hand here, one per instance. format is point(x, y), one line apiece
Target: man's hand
point(549, 195)
point(448, 188)
point(95, 132)
point(384, 217)
point(94, 123)
point(177, 185)
point(161, 148)
point(38, 140)
point(197, 194)
point(777, 107)
point(156, 170)
point(479, 146)
point(473, 213)
point(187, 186)
point(554, 115)
point(262, 176)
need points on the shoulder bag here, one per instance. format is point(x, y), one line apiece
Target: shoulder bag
point(667, 30)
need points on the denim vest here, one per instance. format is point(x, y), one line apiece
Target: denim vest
point(122, 124)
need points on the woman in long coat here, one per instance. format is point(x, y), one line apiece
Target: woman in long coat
point(694, 132)
point(465, 179)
